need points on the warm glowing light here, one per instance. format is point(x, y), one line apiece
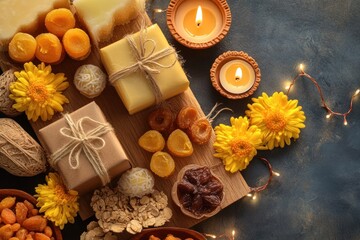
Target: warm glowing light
point(249, 195)
point(233, 234)
point(301, 67)
point(198, 19)
point(210, 235)
point(254, 197)
point(357, 92)
point(328, 115)
point(287, 87)
point(345, 122)
point(238, 74)
point(276, 173)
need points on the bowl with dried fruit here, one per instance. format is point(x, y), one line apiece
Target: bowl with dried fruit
point(169, 233)
point(198, 191)
point(20, 217)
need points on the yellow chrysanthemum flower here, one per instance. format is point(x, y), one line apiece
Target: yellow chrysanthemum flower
point(38, 91)
point(58, 204)
point(278, 118)
point(236, 144)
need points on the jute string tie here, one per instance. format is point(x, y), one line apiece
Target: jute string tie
point(89, 142)
point(147, 63)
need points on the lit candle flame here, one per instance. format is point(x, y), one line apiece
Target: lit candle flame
point(198, 19)
point(238, 74)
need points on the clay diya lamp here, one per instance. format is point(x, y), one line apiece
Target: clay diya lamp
point(235, 75)
point(198, 24)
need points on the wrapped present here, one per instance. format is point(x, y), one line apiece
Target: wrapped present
point(84, 149)
point(144, 69)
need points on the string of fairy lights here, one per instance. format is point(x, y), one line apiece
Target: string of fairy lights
point(330, 112)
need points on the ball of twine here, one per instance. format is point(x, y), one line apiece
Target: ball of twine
point(20, 154)
point(5, 102)
point(90, 80)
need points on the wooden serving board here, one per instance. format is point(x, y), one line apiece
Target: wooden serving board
point(129, 128)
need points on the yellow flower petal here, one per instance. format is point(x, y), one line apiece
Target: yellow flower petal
point(278, 118)
point(38, 91)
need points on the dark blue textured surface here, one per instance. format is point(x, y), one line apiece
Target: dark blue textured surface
point(317, 195)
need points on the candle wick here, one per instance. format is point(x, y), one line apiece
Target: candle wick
point(237, 78)
point(198, 24)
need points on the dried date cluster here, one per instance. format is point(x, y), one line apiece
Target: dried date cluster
point(117, 212)
point(199, 191)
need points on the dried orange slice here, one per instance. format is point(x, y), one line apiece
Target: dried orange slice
point(162, 164)
point(152, 141)
point(179, 144)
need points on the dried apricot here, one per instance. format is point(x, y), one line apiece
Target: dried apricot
point(179, 144)
point(161, 119)
point(152, 141)
point(186, 117)
point(162, 164)
point(200, 131)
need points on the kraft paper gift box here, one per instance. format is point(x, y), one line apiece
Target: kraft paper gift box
point(133, 86)
point(112, 156)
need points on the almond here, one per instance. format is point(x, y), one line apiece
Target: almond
point(8, 216)
point(6, 232)
point(14, 238)
point(21, 212)
point(48, 231)
point(29, 205)
point(21, 234)
point(7, 202)
point(41, 236)
point(15, 227)
point(35, 223)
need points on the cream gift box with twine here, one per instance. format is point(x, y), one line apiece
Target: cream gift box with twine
point(144, 69)
point(84, 149)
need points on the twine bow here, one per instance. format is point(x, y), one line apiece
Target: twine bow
point(88, 142)
point(146, 63)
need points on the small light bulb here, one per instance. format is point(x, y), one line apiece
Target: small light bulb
point(345, 122)
point(301, 67)
point(287, 87)
point(328, 115)
point(357, 92)
point(254, 197)
point(249, 195)
point(233, 234)
point(276, 173)
point(210, 235)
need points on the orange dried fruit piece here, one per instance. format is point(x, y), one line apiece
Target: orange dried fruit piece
point(162, 164)
point(77, 44)
point(179, 144)
point(200, 131)
point(59, 20)
point(152, 141)
point(161, 119)
point(22, 47)
point(186, 117)
point(49, 48)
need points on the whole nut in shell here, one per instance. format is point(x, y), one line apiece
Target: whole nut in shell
point(5, 102)
point(20, 154)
